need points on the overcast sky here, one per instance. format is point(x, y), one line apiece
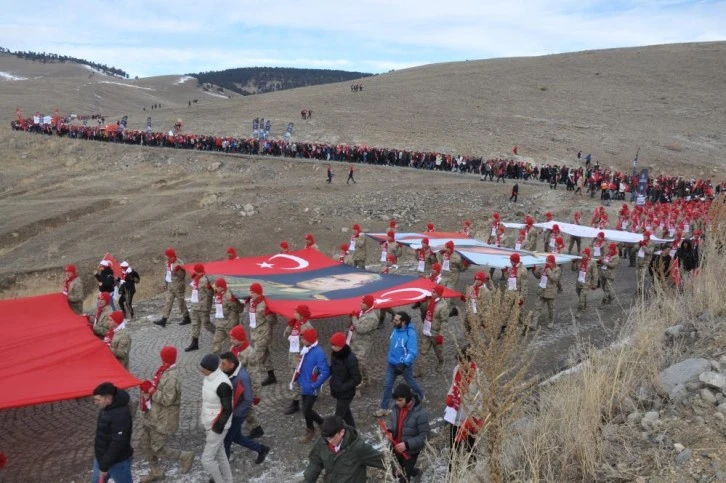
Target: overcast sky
point(154, 37)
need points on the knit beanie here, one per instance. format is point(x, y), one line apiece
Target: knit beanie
point(168, 354)
point(311, 336)
point(338, 339)
point(210, 362)
point(238, 332)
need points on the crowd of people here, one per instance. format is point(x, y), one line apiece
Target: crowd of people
point(590, 178)
point(239, 365)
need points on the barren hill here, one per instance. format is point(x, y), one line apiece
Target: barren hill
point(668, 100)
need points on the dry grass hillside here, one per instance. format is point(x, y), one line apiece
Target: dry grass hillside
point(668, 100)
point(34, 86)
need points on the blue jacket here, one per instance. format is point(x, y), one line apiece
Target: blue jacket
point(242, 392)
point(314, 362)
point(404, 346)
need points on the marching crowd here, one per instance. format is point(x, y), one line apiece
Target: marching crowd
point(239, 364)
point(610, 185)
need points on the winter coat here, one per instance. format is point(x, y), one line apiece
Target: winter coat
point(441, 315)
point(314, 366)
point(178, 278)
point(475, 305)
point(348, 465)
point(591, 276)
point(163, 416)
point(648, 250)
point(607, 269)
point(113, 432)
point(121, 346)
point(216, 402)
point(553, 276)
point(248, 361)
point(450, 278)
point(242, 390)
point(128, 284)
point(106, 280)
point(403, 346)
point(265, 324)
point(344, 373)
point(364, 328)
point(100, 328)
point(231, 310)
point(359, 254)
point(206, 295)
point(75, 295)
point(522, 281)
point(415, 429)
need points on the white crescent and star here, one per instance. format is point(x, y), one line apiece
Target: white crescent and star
point(301, 262)
point(420, 292)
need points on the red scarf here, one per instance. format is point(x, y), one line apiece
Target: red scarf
point(430, 309)
point(146, 396)
point(422, 254)
point(696, 240)
point(498, 239)
point(341, 257)
point(598, 242)
point(109, 337)
point(465, 231)
point(434, 277)
point(522, 237)
point(603, 222)
point(513, 271)
point(196, 277)
point(447, 256)
point(402, 413)
point(295, 325)
point(460, 386)
point(526, 230)
point(583, 264)
point(67, 283)
point(255, 301)
point(475, 291)
point(386, 270)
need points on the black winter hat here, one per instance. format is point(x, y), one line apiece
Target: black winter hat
point(210, 362)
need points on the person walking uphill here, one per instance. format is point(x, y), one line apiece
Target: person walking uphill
point(548, 278)
point(341, 453)
point(402, 351)
point(112, 448)
point(160, 406)
point(174, 285)
point(344, 377)
point(215, 418)
point(312, 372)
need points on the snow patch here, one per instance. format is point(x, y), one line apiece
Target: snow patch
point(215, 95)
point(183, 79)
point(127, 85)
point(10, 77)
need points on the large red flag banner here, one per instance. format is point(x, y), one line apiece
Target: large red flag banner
point(49, 353)
point(328, 287)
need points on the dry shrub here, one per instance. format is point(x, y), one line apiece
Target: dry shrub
point(563, 439)
point(497, 345)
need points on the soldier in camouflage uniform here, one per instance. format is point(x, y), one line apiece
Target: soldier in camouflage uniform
point(360, 334)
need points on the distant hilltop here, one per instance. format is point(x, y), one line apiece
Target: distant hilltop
point(45, 57)
point(258, 80)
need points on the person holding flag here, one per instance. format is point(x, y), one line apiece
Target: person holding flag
point(300, 322)
point(360, 334)
point(357, 245)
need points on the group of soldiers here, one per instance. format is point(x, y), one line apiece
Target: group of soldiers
point(595, 269)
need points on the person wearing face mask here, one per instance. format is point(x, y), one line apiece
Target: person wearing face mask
point(548, 277)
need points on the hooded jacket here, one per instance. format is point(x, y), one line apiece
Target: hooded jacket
point(415, 429)
point(113, 432)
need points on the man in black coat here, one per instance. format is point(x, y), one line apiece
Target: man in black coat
point(106, 280)
point(113, 451)
point(344, 377)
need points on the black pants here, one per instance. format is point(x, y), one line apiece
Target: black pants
point(350, 178)
point(465, 445)
point(310, 415)
point(342, 410)
point(408, 466)
point(514, 195)
point(125, 302)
